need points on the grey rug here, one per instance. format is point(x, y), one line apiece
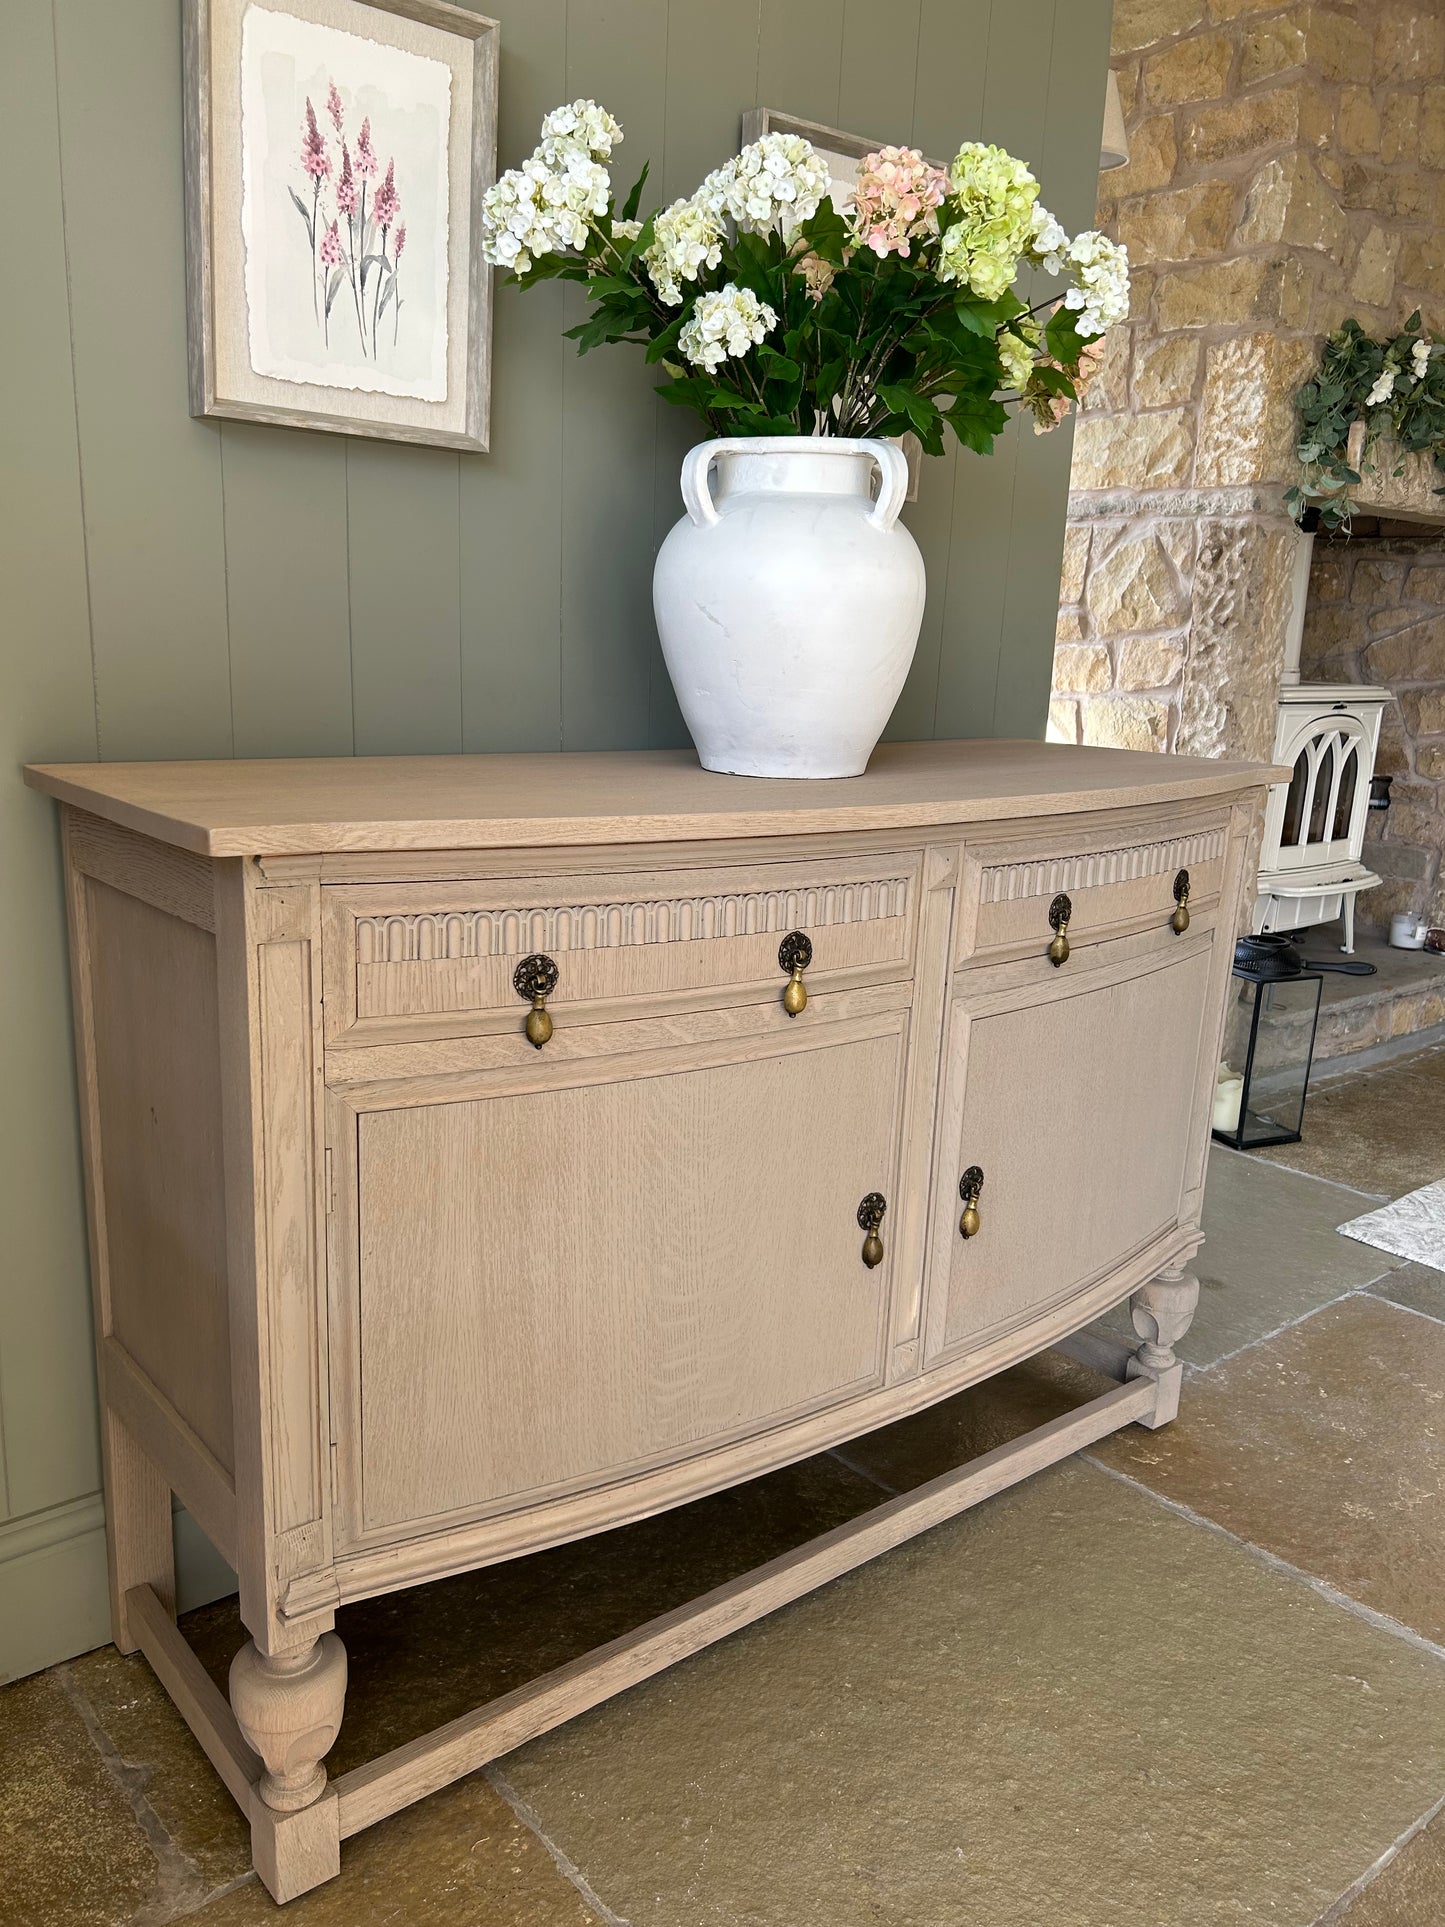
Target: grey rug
point(1411, 1227)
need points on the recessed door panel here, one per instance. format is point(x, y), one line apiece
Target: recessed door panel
point(558, 1284)
point(1077, 1108)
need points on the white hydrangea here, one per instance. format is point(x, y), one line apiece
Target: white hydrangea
point(581, 124)
point(729, 322)
point(1047, 241)
point(779, 179)
point(686, 238)
point(542, 207)
point(626, 230)
point(1383, 389)
point(1420, 359)
point(1100, 270)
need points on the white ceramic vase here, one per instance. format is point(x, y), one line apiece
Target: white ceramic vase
point(789, 604)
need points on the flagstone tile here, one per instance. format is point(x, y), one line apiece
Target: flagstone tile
point(1418, 1287)
point(1271, 1253)
point(1373, 1129)
point(180, 1785)
point(72, 1853)
point(1071, 1705)
point(1325, 1446)
point(459, 1859)
point(1411, 1890)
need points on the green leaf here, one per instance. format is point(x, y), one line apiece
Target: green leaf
point(634, 196)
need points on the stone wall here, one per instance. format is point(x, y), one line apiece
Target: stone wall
point(1376, 613)
point(1287, 168)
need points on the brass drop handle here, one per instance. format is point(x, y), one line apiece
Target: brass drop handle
point(870, 1216)
point(1060, 910)
point(795, 953)
point(969, 1186)
point(1179, 922)
point(536, 977)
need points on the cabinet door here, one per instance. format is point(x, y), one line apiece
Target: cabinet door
point(1077, 1100)
point(556, 1284)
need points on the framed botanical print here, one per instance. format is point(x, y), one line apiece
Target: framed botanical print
point(336, 156)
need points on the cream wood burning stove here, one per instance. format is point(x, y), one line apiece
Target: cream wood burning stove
point(1311, 865)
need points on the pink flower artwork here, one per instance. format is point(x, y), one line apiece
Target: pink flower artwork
point(314, 158)
point(387, 204)
point(347, 195)
point(353, 255)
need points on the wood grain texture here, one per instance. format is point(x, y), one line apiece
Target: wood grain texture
point(446, 803)
point(655, 1310)
point(198, 1698)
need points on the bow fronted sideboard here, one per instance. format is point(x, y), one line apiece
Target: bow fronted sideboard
point(484, 1152)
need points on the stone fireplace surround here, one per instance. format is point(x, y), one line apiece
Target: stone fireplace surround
point(1287, 169)
point(1376, 613)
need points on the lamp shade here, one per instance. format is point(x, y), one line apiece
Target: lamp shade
point(1115, 149)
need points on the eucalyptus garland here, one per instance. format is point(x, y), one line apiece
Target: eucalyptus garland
point(1396, 387)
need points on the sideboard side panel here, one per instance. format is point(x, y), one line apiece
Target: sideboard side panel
point(269, 944)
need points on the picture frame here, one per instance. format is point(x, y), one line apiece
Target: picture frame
point(307, 124)
point(842, 151)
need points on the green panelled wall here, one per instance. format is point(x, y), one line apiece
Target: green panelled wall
point(182, 588)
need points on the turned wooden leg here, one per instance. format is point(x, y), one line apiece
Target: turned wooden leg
point(138, 1545)
point(289, 1706)
point(1162, 1311)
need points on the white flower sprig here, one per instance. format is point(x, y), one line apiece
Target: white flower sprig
point(545, 206)
point(1100, 271)
point(779, 180)
point(686, 238)
point(729, 322)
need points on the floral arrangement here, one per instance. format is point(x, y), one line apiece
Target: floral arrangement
point(1395, 387)
point(771, 312)
point(349, 242)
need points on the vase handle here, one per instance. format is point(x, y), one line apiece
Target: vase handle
point(892, 483)
point(696, 490)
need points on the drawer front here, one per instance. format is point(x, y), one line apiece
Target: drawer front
point(1114, 884)
point(427, 960)
point(546, 1284)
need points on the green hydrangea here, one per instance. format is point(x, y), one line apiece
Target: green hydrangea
point(992, 198)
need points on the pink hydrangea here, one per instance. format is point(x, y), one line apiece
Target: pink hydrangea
point(895, 200)
point(333, 106)
point(347, 192)
point(331, 248)
point(314, 157)
point(387, 204)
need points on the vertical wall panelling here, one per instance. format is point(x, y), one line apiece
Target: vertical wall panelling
point(800, 57)
point(184, 588)
point(616, 53)
point(152, 476)
point(406, 652)
point(1076, 74)
point(52, 1552)
point(511, 497)
point(712, 74)
point(288, 603)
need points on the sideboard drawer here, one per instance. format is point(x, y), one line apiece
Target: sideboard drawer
point(418, 960)
point(1114, 884)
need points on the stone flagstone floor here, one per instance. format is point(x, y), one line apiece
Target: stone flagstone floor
point(1195, 1676)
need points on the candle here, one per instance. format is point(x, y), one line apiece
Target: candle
point(1228, 1095)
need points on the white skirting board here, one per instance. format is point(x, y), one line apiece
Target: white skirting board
point(1411, 1227)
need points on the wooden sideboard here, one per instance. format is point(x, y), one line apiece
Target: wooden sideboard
point(486, 1151)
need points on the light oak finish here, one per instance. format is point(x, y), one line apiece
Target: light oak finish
point(385, 1293)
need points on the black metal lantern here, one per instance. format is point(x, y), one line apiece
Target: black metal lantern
point(1269, 1039)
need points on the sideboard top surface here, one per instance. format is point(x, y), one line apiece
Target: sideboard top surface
point(319, 804)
